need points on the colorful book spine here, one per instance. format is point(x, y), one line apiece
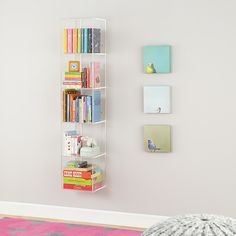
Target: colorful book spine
point(82, 40)
point(65, 41)
point(84, 109)
point(75, 41)
point(90, 38)
point(81, 110)
point(68, 108)
point(84, 78)
point(73, 110)
point(86, 40)
point(77, 109)
point(79, 41)
point(88, 78)
point(64, 106)
point(70, 40)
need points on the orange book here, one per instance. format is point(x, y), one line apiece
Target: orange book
point(75, 40)
point(88, 78)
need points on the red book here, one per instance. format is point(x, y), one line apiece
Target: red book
point(83, 188)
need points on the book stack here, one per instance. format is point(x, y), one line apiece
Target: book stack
point(85, 78)
point(78, 107)
point(82, 40)
point(87, 178)
point(73, 78)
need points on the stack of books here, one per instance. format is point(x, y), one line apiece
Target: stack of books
point(82, 40)
point(72, 78)
point(87, 178)
point(81, 108)
point(89, 77)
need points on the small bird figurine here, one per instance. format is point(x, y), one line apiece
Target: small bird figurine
point(152, 146)
point(150, 69)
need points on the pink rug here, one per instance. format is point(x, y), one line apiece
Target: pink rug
point(23, 227)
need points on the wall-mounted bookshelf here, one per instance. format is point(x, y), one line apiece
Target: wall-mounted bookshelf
point(83, 89)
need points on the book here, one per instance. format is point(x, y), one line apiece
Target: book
point(82, 40)
point(77, 109)
point(66, 102)
point(84, 169)
point(73, 110)
point(88, 78)
point(75, 41)
point(81, 110)
point(96, 40)
point(79, 41)
point(97, 74)
point(65, 41)
point(84, 77)
point(73, 73)
point(96, 106)
point(70, 40)
point(77, 174)
point(90, 38)
point(86, 188)
point(89, 108)
point(86, 40)
point(84, 109)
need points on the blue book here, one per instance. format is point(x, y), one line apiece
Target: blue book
point(89, 108)
point(86, 38)
point(97, 106)
point(77, 109)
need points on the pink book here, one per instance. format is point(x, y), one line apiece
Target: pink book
point(84, 109)
point(70, 40)
point(97, 74)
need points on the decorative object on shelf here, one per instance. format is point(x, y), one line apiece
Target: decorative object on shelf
point(74, 66)
point(194, 225)
point(157, 59)
point(157, 138)
point(78, 145)
point(156, 99)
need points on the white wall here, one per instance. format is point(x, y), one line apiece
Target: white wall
point(198, 176)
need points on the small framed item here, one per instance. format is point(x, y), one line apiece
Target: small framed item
point(74, 66)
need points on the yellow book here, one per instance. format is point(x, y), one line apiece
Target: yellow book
point(65, 41)
point(79, 41)
point(75, 39)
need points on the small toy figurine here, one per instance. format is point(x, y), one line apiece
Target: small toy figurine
point(152, 146)
point(150, 69)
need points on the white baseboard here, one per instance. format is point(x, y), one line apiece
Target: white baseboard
point(79, 214)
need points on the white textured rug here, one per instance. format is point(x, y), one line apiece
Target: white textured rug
point(194, 225)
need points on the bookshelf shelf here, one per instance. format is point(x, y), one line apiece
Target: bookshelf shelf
point(85, 54)
point(86, 123)
point(83, 89)
point(77, 157)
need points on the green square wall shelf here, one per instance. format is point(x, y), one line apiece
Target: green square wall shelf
point(157, 59)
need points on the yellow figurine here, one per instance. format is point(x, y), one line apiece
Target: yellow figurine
point(150, 69)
